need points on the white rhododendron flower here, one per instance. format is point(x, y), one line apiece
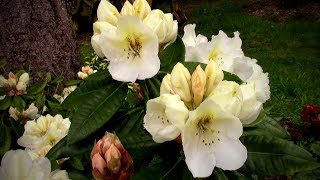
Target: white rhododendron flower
point(228, 96)
point(65, 93)
point(18, 165)
point(221, 48)
point(165, 117)
point(15, 84)
point(163, 25)
point(132, 50)
point(42, 134)
point(85, 72)
point(25, 115)
point(224, 50)
point(196, 45)
point(98, 28)
point(211, 138)
point(208, 126)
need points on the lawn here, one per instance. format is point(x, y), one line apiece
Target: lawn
point(288, 51)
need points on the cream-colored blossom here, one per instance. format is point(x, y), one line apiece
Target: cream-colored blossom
point(142, 8)
point(85, 72)
point(18, 165)
point(214, 77)
point(15, 85)
point(228, 96)
point(163, 25)
point(198, 80)
point(25, 115)
point(132, 50)
point(107, 12)
point(43, 133)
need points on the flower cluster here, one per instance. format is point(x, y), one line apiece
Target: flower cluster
point(311, 113)
point(16, 84)
point(130, 39)
point(203, 109)
point(42, 134)
point(17, 164)
point(110, 160)
point(25, 115)
point(85, 72)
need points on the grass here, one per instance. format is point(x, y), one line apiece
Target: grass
point(288, 51)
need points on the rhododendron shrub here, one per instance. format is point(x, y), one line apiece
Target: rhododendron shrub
point(151, 105)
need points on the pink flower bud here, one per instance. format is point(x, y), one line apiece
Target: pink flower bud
point(110, 160)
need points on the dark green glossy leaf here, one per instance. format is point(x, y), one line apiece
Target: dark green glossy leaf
point(153, 86)
point(153, 171)
point(77, 175)
point(40, 100)
point(218, 174)
point(76, 163)
point(85, 93)
point(5, 103)
point(63, 150)
point(5, 139)
point(311, 175)
point(274, 156)
point(191, 66)
point(130, 122)
point(231, 77)
point(18, 103)
point(73, 82)
point(99, 76)
point(315, 148)
point(36, 88)
point(139, 143)
point(57, 80)
point(96, 111)
point(273, 127)
point(172, 54)
point(235, 175)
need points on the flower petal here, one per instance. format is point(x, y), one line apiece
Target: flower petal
point(230, 154)
point(200, 161)
point(165, 117)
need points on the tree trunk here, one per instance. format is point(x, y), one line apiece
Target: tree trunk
point(37, 36)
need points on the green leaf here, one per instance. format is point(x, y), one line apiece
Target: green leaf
point(130, 122)
point(18, 103)
point(36, 88)
point(77, 175)
point(191, 66)
point(85, 93)
point(63, 150)
point(311, 175)
point(219, 174)
point(99, 76)
point(97, 111)
point(5, 139)
point(76, 163)
point(235, 175)
point(48, 77)
point(153, 86)
point(154, 171)
point(274, 156)
point(139, 143)
point(5, 103)
point(172, 54)
point(40, 100)
point(57, 80)
point(315, 148)
point(231, 77)
point(274, 128)
point(73, 82)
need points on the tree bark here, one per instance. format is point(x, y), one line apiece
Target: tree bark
point(37, 36)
